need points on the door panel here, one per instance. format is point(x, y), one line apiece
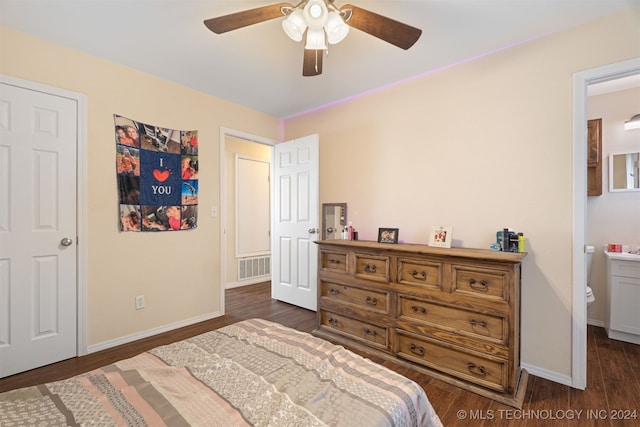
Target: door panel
point(296, 219)
point(253, 196)
point(38, 288)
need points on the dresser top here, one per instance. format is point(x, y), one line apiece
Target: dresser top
point(413, 248)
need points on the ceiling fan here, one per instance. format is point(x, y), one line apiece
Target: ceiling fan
point(320, 21)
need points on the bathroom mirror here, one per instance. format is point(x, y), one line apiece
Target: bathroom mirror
point(624, 172)
point(334, 218)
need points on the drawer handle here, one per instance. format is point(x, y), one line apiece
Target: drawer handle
point(475, 322)
point(370, 332)
point(416, 309)
point(369, 268)
point(333, 291)
point(483, 285)
point(417, 350)
point(334, 261)
point(477, 370)
point(419, 276)
point(332, 321)
point(371, 300)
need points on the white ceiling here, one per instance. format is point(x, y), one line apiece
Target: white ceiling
point(615, 85)
point(261, 68)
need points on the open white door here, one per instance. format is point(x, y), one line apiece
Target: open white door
point(294, 254)
point(38, 232)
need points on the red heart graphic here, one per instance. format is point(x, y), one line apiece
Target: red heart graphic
point(161, 176)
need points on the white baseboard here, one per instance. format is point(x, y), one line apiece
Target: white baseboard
point(548, 375)
point(247, 282)
point(595, 322)
point(151, 332)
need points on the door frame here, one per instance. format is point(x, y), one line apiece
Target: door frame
point(581, 80)
point(222, 212)
point(81, 198)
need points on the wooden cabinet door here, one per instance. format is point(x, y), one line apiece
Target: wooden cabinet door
point(594, 157)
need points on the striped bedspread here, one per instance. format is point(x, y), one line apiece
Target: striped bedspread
point(254, 372)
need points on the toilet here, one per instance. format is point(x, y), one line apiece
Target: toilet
point(589, 250)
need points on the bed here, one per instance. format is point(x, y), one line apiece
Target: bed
point(253, 372)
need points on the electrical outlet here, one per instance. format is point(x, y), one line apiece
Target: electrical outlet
point(139, 302)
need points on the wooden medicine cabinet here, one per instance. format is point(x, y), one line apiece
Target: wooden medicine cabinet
point(594, 157)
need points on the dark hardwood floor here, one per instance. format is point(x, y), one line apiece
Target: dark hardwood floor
point(612, 397)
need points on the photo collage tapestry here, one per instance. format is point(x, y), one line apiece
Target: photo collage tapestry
point(157, 171)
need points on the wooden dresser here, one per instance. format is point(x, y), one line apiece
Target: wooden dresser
point(453, 313)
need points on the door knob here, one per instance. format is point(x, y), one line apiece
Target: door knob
point(313, 231)
point(66, 241)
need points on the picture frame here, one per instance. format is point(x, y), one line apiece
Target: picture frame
point(441, 236)
point(388, 235)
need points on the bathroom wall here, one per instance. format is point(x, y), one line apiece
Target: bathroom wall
point(612, 217)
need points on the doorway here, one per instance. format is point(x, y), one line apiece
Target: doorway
point(228, 251)
point(295, 166)
point(581, 81)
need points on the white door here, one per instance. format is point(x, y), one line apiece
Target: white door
point(296, 192)
point(38, 137)
point(253, 198)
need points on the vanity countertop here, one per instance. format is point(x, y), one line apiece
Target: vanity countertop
point(623, 256)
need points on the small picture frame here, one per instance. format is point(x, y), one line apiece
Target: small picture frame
point(441, 236)
point(387, 235)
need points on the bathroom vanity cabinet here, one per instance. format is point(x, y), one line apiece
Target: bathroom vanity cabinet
point(622, 320)
point(453, 313)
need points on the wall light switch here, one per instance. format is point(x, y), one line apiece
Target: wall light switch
point(214, 211)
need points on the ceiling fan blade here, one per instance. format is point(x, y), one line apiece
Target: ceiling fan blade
point(312, 64)
point(402, 35)
point(233, 21)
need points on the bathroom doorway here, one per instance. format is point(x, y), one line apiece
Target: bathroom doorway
point(581, 81)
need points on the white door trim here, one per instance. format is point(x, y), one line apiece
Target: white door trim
point(222, 211)
point(579, 316)
point(81, 190)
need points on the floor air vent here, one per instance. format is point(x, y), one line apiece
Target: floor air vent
point(249, 268)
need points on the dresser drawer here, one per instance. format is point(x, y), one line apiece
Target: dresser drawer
point(372, 267)
point(373, 335)
point(365, 298)
point(477, 325)
point(490, 373)
point(422, 273)
point(480, 282)
point(333, 261)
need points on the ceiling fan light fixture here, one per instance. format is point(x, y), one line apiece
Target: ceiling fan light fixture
point(632, 123)
point(295, 25)
point(316, 14)
point(315, 39)
point(336, 28)
point(319, 22)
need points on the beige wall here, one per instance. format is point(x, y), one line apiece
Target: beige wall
point(255, 150)
point(179, 273)
point(480, 146)
point(612, 217)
